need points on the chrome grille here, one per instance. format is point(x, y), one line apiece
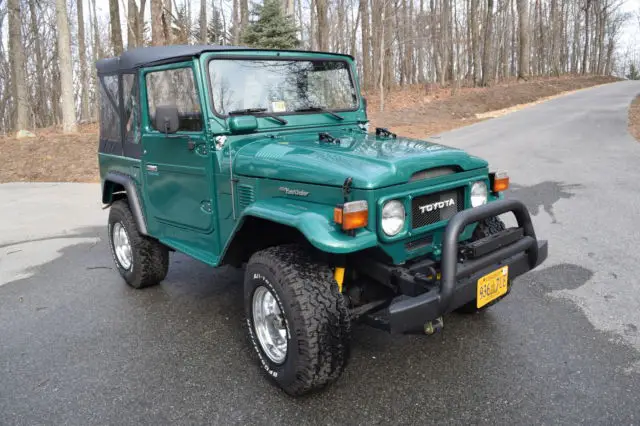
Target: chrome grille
point(432, 208)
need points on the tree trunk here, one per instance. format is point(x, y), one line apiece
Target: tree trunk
point(66, 70)
point(585, 54)
point(132, 23)
point(16, 55)
point(487, 54)
point(157, 30)
point(244, 15)
point(167, 20)
point(575, 46)
point(556, 23)
point(524, 47)
point(39, 106)
point(116, 30)
point(475, 42)
point(203, 22)
point(381, 59)
point(322, 29)
point(82, 56)
point(235, 12)
point(140, 22)
point(366, 44)
point(420, 51)
point(96, 54)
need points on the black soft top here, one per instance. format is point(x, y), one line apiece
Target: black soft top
point(146, 56)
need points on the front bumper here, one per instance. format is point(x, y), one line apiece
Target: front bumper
point(460, 268)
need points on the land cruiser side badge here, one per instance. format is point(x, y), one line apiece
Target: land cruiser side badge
point(289, 191)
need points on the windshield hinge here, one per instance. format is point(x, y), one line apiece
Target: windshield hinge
point(326, 137)
point(381, 131)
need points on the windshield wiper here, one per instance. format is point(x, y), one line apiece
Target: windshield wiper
point(262, 112)
point(320, 109)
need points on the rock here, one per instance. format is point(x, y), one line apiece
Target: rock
point(25, 134)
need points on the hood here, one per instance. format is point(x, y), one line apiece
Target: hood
point(372, 162)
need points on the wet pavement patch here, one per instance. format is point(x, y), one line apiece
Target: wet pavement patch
point(564, 276)
point(542, 195)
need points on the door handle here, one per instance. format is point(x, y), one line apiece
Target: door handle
point(152, 168)
point(191, 145)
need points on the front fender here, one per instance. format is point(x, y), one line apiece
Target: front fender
point(314, 222)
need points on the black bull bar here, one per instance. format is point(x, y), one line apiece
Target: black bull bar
point(520, 250)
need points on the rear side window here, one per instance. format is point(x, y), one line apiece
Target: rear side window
point(131, 108)
point(109, 107)
point(175, 87)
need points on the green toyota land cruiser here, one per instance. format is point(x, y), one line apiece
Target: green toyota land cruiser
point(237, 155)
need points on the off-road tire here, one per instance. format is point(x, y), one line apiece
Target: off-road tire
point(316, 317)
point(150, 258)
point(485, 228)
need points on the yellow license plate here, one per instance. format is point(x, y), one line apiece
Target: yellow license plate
point(492, 286)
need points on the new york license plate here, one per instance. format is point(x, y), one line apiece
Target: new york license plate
point(492, 286)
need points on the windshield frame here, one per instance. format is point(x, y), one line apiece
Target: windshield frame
point(357, 103)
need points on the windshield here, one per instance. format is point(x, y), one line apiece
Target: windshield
point(281, 86)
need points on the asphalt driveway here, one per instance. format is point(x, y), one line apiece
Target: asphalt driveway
point(77, 346)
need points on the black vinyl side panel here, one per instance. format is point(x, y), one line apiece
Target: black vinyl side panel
point(110, 124)
point(109, 147)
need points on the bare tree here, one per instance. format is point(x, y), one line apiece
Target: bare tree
point(322, 31)
point(133, 24)
point(523, 23)
point(203, 22)
point(365, 36)
point(66, 71)
point(487, 53)
point(167, 19)
point(244, 14)
point(585, 56)
point(157, 26)
point(38, 105)
point(116, 30)
point(82, 52)
point(16, 55)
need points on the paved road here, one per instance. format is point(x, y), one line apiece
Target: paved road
point(77, 346)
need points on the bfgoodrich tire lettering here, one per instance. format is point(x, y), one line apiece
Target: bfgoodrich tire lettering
point(315, 316)
point(150, 259)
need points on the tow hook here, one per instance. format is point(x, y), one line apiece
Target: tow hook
point(431, 327)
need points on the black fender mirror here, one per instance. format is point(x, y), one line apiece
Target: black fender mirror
point(166, 119)
point(364, 103)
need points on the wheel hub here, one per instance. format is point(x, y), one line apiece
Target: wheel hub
point(269, 325)
point(122, 246)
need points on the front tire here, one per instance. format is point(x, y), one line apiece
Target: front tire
point(298, 321)
point(142, 261)
point(485, 228)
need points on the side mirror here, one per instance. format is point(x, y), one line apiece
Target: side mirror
point(364, 103)
point(166, 119)
point(243, 124)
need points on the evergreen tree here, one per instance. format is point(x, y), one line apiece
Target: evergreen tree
point(272, 30)
point(215, 29)
point(634, 74)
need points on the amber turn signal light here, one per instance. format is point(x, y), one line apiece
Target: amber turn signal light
point(499, 181)
point(352, 215)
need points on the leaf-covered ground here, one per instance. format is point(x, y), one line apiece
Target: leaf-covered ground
point(634, 118)
point(417, 111)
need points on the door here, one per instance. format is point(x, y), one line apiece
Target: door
point(177, 167)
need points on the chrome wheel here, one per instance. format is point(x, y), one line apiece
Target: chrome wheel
point(269, 325)
point(122, 246)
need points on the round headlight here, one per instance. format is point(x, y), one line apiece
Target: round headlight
point(478, 194)
point(393, 217)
